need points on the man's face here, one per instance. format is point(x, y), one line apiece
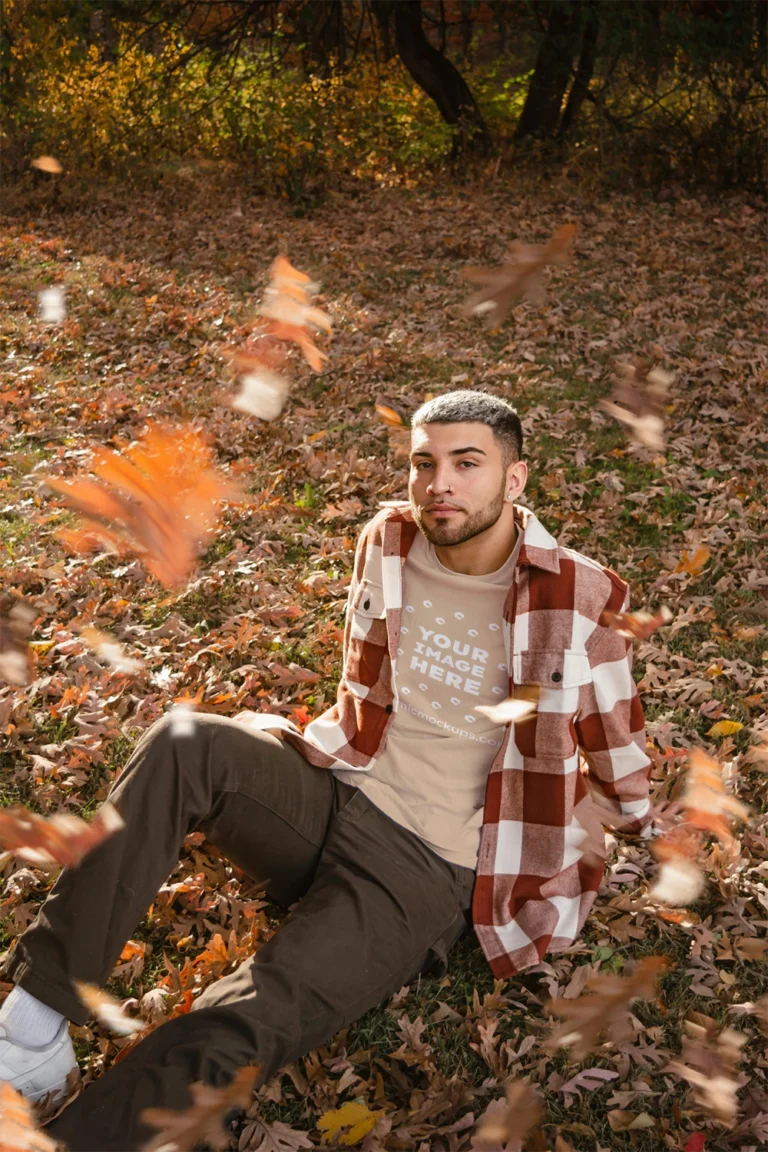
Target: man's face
point(466, 459)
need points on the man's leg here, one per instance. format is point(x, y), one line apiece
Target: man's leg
point(253, 795)
point(381, 908)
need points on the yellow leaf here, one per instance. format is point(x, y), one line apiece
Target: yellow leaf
point(725, 728)
point(357, 1119)
point(693, 565)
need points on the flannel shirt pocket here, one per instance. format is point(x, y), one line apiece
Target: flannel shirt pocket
point(557, 676)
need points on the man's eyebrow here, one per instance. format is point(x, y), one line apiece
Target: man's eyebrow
point(453, 452)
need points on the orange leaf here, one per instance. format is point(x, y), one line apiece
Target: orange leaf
point(18, 1131)
point(49, 842)
point(636, 625)
point(164, 501)
point(693, 565)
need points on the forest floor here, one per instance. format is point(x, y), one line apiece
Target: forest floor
point(157, 285)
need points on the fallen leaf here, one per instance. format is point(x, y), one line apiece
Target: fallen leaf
point(725, 728)
point(349, 1124)
point(693, 565)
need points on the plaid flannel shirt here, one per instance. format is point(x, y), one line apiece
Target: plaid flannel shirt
point(533, 887)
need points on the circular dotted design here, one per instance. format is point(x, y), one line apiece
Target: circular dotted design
point(455, 700)
point(473, 632)
point(439, 620)
point(423, 687)
point(470, 719)
point(459, 615)
point(435, 704)
point(493, 627)
point(427, 603)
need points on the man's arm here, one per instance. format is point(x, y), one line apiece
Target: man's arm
point(611, 732)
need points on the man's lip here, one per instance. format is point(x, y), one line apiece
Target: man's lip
point(442, 508)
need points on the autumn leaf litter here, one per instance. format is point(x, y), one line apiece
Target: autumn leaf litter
point(155, 305)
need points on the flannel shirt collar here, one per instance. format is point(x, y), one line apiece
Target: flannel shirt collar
point(539, 548)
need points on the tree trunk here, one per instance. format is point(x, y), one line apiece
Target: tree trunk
point(436, 75)
point(584, 71)
point(541, 112)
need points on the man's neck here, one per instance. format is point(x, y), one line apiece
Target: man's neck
point(478, 557)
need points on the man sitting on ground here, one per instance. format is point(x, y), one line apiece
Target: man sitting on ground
point(401, 817)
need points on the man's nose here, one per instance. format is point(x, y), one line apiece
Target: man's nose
point(438, 483)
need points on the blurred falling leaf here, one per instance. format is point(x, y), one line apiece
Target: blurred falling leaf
point(606, 1011)
point(162, 504)
point(47, 164)
point(520, 278)
point(16, 620)
point(106, 647)
point(107, 1010)
point(504, 1123)
point(18, 1131)
point(511, 711)
point(181, 1130)
point(637, 401)
point(262, 393)
point(52, 307)
point(707, 805)
point(55, 841)
point(636, 625)
point(708, 1061)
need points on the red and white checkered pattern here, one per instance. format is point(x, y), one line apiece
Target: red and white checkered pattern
point(533, 889)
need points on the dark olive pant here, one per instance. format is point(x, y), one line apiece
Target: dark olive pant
point(376, 907)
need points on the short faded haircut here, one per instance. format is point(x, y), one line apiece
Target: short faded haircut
point(466, 405)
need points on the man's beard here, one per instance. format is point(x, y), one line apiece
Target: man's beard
point(447, 534)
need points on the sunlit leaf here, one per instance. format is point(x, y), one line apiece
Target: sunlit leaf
point(107, 1010)
point(159, 499)
point(18, 1130)
point(55, 841)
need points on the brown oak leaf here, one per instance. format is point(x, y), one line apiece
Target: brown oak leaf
point(520, 278)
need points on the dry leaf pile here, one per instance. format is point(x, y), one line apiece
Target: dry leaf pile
point(117, 431)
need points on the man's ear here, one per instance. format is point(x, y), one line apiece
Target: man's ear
point(517, 478)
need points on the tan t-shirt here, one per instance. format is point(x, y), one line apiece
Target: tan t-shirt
point(432, 773)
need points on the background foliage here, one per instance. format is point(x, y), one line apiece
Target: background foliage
point(302, 97)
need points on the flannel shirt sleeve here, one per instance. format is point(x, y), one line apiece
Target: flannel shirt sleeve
point(610, 729)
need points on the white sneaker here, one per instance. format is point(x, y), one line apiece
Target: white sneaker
point(34, 1072)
